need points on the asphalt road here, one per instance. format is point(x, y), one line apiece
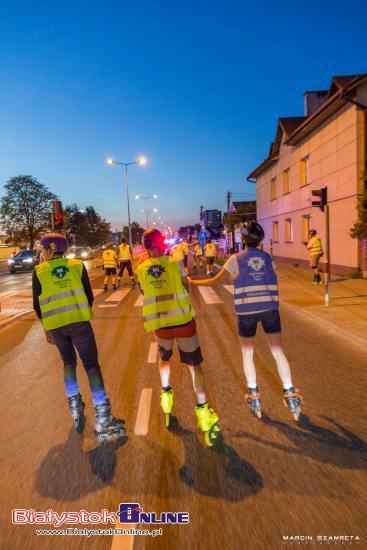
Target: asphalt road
point(264, 480)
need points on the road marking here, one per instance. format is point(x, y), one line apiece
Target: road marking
point(153, 350)
point(97, 291)
point(230, 288)
point(209, 295)
point(142, 418)
point(119, 295)
point(123, 542)
point(108, 305)
point(139, 302)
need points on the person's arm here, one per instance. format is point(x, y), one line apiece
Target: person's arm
point(36, 292)
point(208, 282)
point(87, 286)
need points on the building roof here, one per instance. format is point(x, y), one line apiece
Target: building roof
point(296, 128)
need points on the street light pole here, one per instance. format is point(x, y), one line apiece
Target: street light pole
point(141, 161)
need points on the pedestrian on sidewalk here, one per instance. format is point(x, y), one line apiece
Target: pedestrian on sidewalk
point(314, 246)
point(125, 261)
point(167, 312)
point(110, 263)
point(62, 300)
point(256, 300)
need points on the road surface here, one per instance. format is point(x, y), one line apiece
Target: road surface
point(265, 480)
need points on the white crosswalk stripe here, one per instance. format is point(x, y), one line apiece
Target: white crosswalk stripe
point(153, 350)
point(97, 291)
point(142, 419)
point(139, 301)
point(119, 295)
point(230, 288)
point(209, 295)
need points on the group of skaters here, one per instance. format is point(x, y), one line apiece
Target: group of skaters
point(203, 254)
point(63, 300)
point(115, 263)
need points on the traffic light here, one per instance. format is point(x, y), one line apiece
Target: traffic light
point(322, 194)
point(57, 215)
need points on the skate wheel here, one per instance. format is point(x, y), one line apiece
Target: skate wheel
point(296, 416)
point(168, 419)
point(258, 414)
point(211, 435)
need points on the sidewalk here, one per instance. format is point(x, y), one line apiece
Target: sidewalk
point(347, 313)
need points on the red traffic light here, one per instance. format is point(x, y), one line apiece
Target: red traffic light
point(57, 214)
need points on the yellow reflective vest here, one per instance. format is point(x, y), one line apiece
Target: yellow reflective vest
point(124, 253)
point(109, 258)
point(185, 247)
point(166, 300)
point(177, 252)
point(315, 246)
point(63, 300)
point(198, 250)
point(210, 250)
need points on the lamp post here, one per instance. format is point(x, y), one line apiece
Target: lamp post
point(141, 161)
point(147, 212)
point(140, 197)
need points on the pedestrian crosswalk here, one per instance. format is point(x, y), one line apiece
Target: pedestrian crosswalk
point(230, 288)
point(139, 302)
point(112, 300)
point(209, 295)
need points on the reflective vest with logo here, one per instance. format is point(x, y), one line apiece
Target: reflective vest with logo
point(315, 246)
point(124, 253)
point(256, 287)
point(198, 250)
point(166, 300)
point(109, 258)
point(210, 250)
point(63, 300)
point(177, 252)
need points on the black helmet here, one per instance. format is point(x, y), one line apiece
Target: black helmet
point(252, 232)
point(153, 238)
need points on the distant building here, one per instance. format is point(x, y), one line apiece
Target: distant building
point(211, 218)
point(324, 148)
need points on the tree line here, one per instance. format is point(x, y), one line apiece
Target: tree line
point(26, 210)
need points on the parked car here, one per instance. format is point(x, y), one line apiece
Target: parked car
point(25, 260)
point(81, 253)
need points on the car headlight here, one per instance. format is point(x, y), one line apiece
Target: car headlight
point(11, 261)
point(70, 256)
point(28, 261)
point(84, 254)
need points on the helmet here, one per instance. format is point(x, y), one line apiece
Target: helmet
point(252, 231)
point(55, 242)
point(153, 238)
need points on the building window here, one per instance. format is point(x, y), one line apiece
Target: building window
point(273, 189)
point(285, 182)
point(288, 230)
point(305, 227)
point(304, 171)
point(275, 232)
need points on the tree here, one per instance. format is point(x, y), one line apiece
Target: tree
point(25, 209)
point(136, 232)
point(85, 227)
point(359, 229)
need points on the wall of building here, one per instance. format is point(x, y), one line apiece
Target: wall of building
point(334, 151)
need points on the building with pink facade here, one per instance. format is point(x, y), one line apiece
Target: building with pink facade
point(327, 147)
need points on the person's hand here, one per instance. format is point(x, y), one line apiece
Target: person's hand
point(49, 337)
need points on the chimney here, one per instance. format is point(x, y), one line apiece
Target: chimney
point(313, 100)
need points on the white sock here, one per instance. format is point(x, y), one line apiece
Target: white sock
point(249, 366)
point(165, 372)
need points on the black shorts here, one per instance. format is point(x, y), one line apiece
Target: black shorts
point(210, 260)
point(270, 320)
point(110, 271)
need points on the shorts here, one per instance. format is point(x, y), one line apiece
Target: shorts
point(187, 340)
point(315, 260)
point(210, 260)
point(270, 320)
point(110, 271)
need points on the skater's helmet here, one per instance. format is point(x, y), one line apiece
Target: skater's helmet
point(55, 242)
point(153, 238)
point(252, 233)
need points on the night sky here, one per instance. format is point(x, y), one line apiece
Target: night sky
point(195, 86)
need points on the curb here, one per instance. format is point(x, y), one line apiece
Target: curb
point(326, 324)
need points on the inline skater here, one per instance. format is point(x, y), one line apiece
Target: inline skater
point(211, 252)
point(198, 255)
point(257, 300)
point(62, 300)
point(167, 312)
point(125, 260)
point(109, 265)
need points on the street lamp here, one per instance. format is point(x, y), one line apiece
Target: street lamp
point(147, 198)
point(147, 212)
point(142, 161)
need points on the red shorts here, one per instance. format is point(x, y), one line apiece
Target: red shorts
point(187, 341)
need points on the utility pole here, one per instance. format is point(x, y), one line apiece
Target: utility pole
point(228, 200)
